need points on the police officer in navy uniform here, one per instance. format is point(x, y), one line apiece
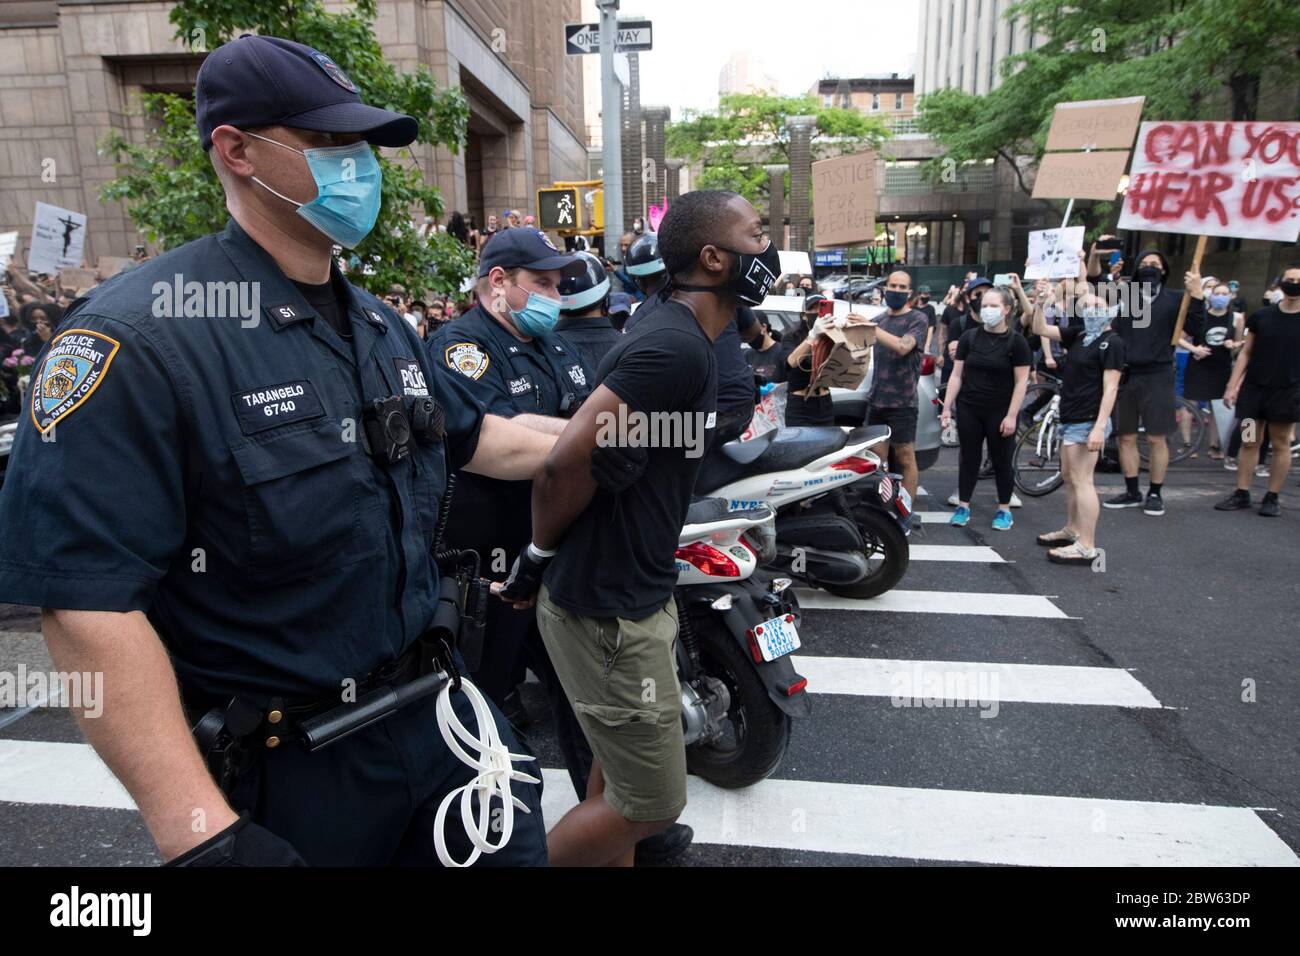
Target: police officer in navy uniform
point(506, 353)
point(584, 317)
point(227, 484)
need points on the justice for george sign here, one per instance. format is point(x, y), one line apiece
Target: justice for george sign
point(1216, 179)
point(844, 200)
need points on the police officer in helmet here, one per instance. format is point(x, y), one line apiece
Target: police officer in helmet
point(584, 316)
point(646, 267)
point(285, 450)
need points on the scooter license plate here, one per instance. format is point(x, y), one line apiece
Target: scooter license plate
point(777, 637)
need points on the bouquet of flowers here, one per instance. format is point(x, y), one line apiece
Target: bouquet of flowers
point(18, 365)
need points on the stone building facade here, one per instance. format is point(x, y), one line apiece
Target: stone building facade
point(72, 70)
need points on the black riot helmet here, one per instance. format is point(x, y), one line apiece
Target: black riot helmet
point(643, 260)
point(585, 288)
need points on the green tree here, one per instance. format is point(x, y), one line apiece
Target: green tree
point(748, 131)
point(173, 195)
point(1191, 59)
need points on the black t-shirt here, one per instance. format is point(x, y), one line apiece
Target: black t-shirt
point(765, 365)
point(1083, 380)
point(1212, 331)
point(957, 321)
point(1275, 353)
point(1147, 336)
point(617, 559)
point(330, 300)
point(735, 380)
point(988, 378)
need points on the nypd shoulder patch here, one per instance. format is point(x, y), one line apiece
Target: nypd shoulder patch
point(467, 358)
point(74, 366)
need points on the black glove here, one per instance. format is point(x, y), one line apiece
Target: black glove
point(243, 843)
point(525, 578)
point(616, 467)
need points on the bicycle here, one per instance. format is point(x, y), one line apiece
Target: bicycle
point(1184, 408)
point(1036, 462)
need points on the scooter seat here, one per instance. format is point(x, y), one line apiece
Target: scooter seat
point(795, 447)
point(704, 510)
point(865, 433)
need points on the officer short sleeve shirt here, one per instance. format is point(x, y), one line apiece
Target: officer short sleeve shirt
point(194, 448)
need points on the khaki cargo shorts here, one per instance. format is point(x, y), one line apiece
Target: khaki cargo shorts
point(621, 677)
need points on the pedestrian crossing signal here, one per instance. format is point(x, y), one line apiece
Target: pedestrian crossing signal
point(559, 209)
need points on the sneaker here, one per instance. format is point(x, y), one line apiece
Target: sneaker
point(1261, 471)
point(1229, 464)
point(1123, 500)
point(1002, 521)
point(1234, 502)
point(960, 518)
point(1269, 507)
point(1015, 501)
point(662, 847)
point(1155, 505)
point(954, 500)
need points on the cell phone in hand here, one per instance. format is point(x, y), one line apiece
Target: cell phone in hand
point(1002, 279)
point(1114, 258)
point(1112, 243)
point(825, 307)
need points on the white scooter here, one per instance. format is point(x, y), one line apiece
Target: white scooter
point(737, 626)
point(841, 520)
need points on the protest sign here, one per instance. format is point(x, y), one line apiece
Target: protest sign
point(58, 237)
point(1080, 175)
point(8, 244)
point(1054, 253)
point(1095, 124)
point(73, 280)
point(109, 266)
point(1216, 178)
point(842, 355)
point(844, 200)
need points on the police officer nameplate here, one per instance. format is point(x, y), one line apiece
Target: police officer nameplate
point(521, 385)
point(274, 405)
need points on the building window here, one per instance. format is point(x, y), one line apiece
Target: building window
point(898, 101)
point(963, 16)
point(875, 101)
point(826, 100)
point(975, 73)
point(1011, 38)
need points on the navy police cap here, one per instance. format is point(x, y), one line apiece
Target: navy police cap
point(259, 81)
point(527, 249)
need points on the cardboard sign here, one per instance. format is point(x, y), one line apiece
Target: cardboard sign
point(1095, 124)
point(847, 354)
point(844, 200)
point(1214, 178)
point(109, 266)
point(1080, 175)
point(74, 280)
point(1054, 253)
point(58, 237)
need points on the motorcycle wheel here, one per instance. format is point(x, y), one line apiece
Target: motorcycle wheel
point(757, 732)
point(883, 537)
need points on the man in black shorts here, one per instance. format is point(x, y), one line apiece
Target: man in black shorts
point(1148, 312)
point(1265, 388)
point(900, 336)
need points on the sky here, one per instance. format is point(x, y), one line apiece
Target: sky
point(799, 41)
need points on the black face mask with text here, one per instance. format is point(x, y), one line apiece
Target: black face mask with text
point(751, 277)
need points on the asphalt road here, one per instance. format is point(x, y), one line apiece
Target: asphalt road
point(1145, 714)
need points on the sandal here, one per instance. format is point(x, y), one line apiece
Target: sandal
point(1057, 537)
point(1216, 454)
point(1071, 554)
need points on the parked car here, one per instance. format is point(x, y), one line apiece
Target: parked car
point(782, 315)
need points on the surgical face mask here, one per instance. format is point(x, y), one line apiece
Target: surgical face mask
point(1274, 296)
point(538, 316)
point(1220, 302)
point(896, 298)
point(348, 190)
point(990, 315)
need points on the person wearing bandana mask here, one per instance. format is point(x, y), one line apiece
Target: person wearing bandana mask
point(601, 565)
point(1148, 313)
point(1089, 390)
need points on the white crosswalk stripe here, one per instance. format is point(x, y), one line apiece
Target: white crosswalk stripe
point(868, 820)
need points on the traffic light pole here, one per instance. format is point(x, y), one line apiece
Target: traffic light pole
point(611, 107)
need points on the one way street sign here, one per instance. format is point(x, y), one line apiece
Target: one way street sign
point(633, 37)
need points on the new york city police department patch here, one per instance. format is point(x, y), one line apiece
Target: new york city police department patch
point(467, 358)
point(75, 364)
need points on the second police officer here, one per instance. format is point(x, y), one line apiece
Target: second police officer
point(584, 312)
